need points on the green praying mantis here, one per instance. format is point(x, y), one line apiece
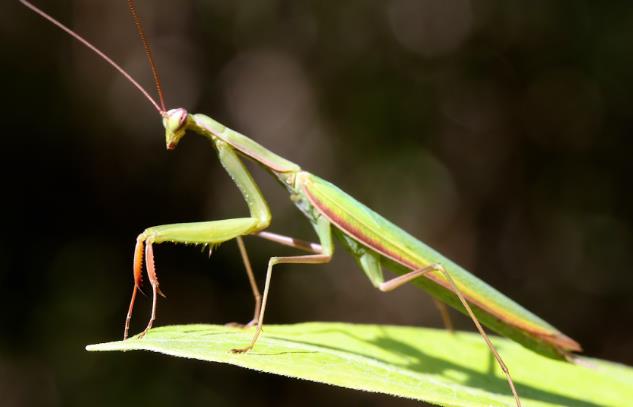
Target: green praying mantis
point(373, 241)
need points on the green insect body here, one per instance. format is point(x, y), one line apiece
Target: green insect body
point(371, 239)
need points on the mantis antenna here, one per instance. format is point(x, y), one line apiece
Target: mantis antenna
point(102, 55)
point(148, 52)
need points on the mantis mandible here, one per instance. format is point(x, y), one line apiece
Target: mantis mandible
point(372, 240)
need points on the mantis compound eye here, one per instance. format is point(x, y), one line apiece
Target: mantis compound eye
point(175, 119)
point(174, 122)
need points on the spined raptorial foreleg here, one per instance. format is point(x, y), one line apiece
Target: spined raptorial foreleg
point(211, 233)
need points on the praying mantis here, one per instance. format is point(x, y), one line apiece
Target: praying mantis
point(373, 241)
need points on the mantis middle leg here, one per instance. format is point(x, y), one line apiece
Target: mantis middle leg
point(310, 247)
point(326, 247)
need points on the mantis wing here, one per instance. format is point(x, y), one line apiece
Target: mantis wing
point(402, 253)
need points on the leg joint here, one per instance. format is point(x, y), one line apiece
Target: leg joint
point(148, 236)
point(437, 267)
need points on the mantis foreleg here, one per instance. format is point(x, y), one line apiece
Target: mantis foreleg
point(213, 232)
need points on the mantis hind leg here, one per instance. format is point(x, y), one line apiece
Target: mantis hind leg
point(405, 278)
point(370, 262)
point(445, 314)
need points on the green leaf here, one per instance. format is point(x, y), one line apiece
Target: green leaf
point(424, 364)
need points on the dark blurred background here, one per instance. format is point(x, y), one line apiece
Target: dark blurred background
point(496, 131)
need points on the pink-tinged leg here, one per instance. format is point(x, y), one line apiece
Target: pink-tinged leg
point(446, 316)
point(137, 269)
point(405, 278)
point(251, 279)
point(299, 244)
point(308, 259)
point(309, 247)
point(153, 279)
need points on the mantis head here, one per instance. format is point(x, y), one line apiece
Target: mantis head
point(175, 122)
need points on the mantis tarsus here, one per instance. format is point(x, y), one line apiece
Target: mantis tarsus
point(372, 240)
